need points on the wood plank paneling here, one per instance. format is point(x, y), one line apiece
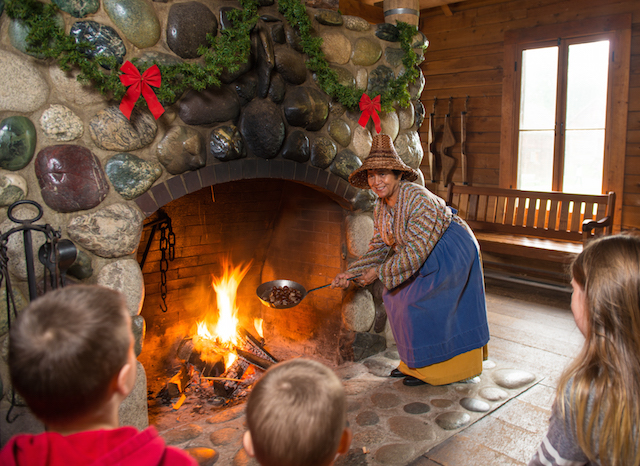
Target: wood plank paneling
point(465, 58)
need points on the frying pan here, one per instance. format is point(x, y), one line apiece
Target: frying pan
point(264, 290)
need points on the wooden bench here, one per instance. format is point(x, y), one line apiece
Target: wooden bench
point(548, 226)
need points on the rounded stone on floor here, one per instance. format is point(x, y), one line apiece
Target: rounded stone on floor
point(441, 403)
point(488, 364)
point(367, 418)
point(241, 458)
point(475, 405)
point(385, 400)
point(395, 453)
point(371, 436)
point(493, 393)
point(226, 435)
point(453, 420)
point(416, 407)
point(181, 434)
point(353, 406)
point(512, 378)
point(411, 428)
point(227, 414)
point(204, 456)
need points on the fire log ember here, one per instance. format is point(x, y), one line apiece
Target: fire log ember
point(284, 296)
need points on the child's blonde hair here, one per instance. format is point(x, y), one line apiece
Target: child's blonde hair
point(296, 414)
point(65, 349)
point(605, 378)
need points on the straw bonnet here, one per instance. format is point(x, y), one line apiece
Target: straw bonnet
point(382, 155)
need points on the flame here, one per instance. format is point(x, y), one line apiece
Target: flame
point(257, 323)
point(224, 332)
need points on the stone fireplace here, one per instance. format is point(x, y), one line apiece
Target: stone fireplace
point(271, 190)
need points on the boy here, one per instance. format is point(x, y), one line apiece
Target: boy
point(296, 416)
point(71, 358)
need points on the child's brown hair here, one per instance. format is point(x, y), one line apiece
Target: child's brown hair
point(65, 349)
point(296, 414)
point(607, 371)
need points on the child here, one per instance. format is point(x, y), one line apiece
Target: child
point(71, 358)
point(296, 416)
point(596, 413)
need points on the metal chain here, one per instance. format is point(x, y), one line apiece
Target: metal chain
point(167, 253)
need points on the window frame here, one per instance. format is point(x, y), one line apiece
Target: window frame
point(618, 30)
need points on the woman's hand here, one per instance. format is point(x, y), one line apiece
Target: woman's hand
point(341, 280)
point(367, 277)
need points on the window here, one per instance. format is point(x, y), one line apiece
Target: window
point(564, 110)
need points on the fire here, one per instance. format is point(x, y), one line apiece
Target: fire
point(224, 332)
point(257, 324)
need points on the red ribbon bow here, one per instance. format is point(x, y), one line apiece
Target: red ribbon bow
point(140, 85)
point(370, 109)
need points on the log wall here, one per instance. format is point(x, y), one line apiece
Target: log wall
point(465, 58)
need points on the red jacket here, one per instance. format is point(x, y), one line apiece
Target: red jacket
point(124, 446)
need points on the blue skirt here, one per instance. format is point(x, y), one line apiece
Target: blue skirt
point(441, 311)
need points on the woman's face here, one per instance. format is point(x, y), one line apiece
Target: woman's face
point(579, 307)
point(384, 183)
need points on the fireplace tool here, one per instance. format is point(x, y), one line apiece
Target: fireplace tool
point(265, 289)
point(56, 254)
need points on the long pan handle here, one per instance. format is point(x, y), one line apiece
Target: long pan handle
point(329, 284)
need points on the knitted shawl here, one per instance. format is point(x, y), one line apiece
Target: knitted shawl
point(421, 218)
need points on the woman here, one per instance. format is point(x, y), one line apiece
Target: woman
point(429, 263)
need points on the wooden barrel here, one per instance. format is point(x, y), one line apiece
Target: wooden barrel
point(407, 11)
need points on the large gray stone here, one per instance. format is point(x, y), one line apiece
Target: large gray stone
point(344, 164)
point(13, 188)
point(262, 128)
point(306, 107)
point(130, 175)
point(336, 47)
point(212, 105)
point(60, 123)
point(323, 151)
point(182, 149)
point(187, 27)
point(78, 8)
point(340, 132)
point(359, 231)
point(111, 130)
point(105, 41)
point(512, 378)
point(225, 143)
point(111, 232)
point(366, 52)
point(290, 64)
point(409, 148)
point(411, 428)
point(296, 147)
point(358, 310)
point(136, 19)
point(134, 410)
point(125, 276)
point(70, 89)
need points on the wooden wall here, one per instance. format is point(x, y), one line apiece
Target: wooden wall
point(465, 58)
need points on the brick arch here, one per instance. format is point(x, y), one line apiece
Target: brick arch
point(173, 188)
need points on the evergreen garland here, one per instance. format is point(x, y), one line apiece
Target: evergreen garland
point(226, 51)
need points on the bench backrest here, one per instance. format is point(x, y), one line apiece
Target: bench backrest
point(532, 213)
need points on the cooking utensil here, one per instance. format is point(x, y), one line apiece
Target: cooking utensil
point(264, 290)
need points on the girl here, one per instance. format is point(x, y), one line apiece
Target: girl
point(596, 413)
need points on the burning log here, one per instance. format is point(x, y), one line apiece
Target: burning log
point(255, 360)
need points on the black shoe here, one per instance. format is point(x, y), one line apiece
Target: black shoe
point(397, 373)
point(411, 381)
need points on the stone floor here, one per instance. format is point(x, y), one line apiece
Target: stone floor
point(532, 338)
